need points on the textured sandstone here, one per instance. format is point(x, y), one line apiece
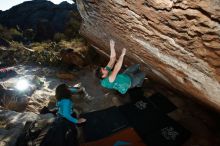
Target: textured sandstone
point(175, 40)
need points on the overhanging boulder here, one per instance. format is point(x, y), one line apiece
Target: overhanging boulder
point(176, 41)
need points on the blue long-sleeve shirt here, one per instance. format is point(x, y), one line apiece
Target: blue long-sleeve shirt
point(65, 109)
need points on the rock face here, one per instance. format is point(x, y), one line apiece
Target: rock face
point(176, 41)
point(70, 57)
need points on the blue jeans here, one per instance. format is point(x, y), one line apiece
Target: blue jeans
point(136, 75)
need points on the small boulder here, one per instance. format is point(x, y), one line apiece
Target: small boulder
point(70, 57)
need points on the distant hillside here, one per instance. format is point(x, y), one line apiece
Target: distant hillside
point(41, 16)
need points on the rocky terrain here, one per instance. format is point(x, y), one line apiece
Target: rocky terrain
point(41, 17)
point(176, 41)
point(32, 12)
point(44, 66)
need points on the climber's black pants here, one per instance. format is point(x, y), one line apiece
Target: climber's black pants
point(136, 75)
point(61, 133)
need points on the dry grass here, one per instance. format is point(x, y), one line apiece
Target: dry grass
point(7, 101)
point(40, 46)
point(9, 33)
point(78, 45)
point(16, 45)
point(11, 103)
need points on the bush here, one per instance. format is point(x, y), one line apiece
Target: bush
point(1, 28)
point(72, 27)
point(39, 46)
point(58, 37)
point(14, 31)
point(9, 33)
point(29, 34)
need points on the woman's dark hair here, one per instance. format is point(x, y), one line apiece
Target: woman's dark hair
point(62, 92)
point(98, 72)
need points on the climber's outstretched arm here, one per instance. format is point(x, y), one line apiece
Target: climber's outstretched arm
point(112, 60)
point(118, 66)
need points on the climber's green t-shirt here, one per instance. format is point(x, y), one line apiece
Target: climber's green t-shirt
point(121, 83)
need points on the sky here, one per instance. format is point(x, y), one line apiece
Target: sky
point(7, 4)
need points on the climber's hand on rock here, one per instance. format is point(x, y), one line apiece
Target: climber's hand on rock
point(123, 51)
point(113, 53)
point(112, 44)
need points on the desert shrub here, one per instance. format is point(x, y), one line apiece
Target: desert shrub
point(58, 37)
point(11, 103)
point(10, 33)
point(5, 33)
point(16, 45)
point(72, 26)
point(14, 31)
point(44, 30)
point(1, 28)
point(78, 44)
point(29, 34)
point(39, 46)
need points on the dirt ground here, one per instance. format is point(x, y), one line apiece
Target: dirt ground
point(202, 123)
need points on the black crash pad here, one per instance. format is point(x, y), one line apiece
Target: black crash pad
point(158, 100)
point(143, 116)
point(173, 134)
point(103, 123)
point(148, 121)
point(162, 103)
